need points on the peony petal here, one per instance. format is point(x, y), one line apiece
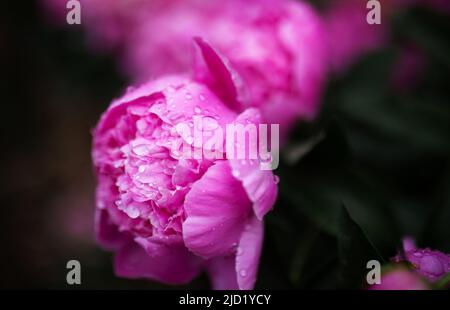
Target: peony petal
point(159, 260)
point(222, 273)
point(212, 69)
point(239, 271)
point(118, 108)
point(248, 253)
point(106, 233)
point(216, 209)
point(260, 185)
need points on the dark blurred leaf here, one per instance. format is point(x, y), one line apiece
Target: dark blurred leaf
point(437, 234)
point(355, 250)
point(443, 283)
point(429, 30)
point(320, 266)
point(325, 177)
point(408, 122)
point(302, 249)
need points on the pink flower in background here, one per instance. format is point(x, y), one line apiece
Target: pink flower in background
point(350, 36)
point(169, 218)
point(108, 23)
point(400, 278)
point(431, 264)
point(276, 46)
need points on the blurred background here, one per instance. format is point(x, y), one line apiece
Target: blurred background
point(380, 147)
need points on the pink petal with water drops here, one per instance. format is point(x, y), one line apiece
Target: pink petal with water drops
point(216, 209)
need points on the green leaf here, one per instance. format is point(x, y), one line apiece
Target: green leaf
point(355, 250)
point(443, 283)
point(325, 177)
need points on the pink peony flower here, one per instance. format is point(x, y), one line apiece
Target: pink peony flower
point(400, 278)
point(431, 264)
point(169, 217)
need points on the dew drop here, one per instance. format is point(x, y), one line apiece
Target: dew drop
point(243, 273)
point(141, 169)
point(201, 97)
point(209, 123)
point(132, 212)
point(239, 251)
point(276, 179)
point(197, 110)
point(188, 96)
point(189, 140)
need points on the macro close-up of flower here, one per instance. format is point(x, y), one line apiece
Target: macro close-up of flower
point(216, 152)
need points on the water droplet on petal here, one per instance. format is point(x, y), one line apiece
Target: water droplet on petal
point(188, 96)
point(141, 169)
point(132, 212)
point(197, 110)
point(235, 173)
point(209, 123)
point(189, 140)
point(276, 179)
point(243, 273)
point(239, 251)
point(202, 97)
